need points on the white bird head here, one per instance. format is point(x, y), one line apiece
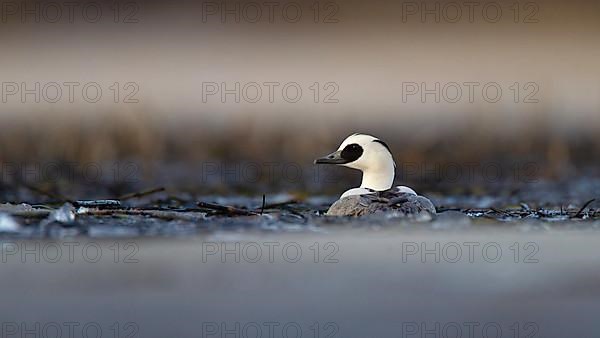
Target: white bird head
point(367, 154)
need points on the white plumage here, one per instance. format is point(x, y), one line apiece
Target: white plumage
point(375, 194)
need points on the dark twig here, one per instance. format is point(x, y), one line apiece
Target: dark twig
point(140, 194)
point(166, 215)
point(500, 211)
point(281, 204)
point(55, 196)
point(262, 209)
point(442, 209)
point(580, 212)
point(33, 213)
point(99, 204)
point(226, 209)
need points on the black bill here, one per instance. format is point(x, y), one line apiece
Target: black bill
point(333, 158)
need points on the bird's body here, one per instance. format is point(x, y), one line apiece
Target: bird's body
point(375, 194)
point(381, 201)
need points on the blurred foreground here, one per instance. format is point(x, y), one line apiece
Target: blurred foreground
point(338, 283)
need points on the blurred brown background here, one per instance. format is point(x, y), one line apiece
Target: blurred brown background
point(369, 60)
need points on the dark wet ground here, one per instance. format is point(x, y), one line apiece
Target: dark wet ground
point(163, 212)
point(166, 218)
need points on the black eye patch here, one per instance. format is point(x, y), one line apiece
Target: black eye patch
point(352, 152)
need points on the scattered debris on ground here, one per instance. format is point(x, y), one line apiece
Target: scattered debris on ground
point(158, 212)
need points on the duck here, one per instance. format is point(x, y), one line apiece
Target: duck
point(376, 193)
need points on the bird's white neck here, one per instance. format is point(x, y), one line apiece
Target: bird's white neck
point(380, 176)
